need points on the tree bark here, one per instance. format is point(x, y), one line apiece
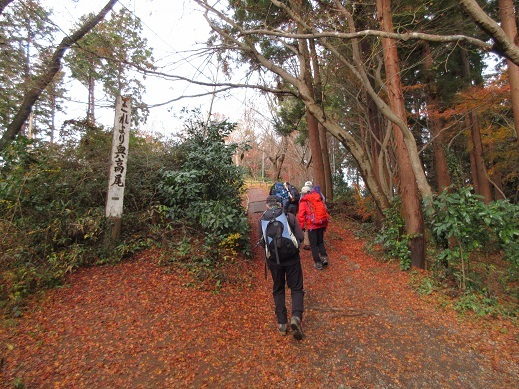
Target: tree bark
point(48, 75)
point(327, 184)
point(443, 178)
point(91, 101)
point(411, 205)
point(313, 126)
point(508, 23)
point(482, 185)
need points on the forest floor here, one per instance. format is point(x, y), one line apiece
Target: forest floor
point(141, 325)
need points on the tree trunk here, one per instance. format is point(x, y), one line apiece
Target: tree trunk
point(327, 184)
point(443, 178)
point(483, 186)
point(313, 127)
point(473, 168)
point(91, 101)
point(47, 76)
point(358, 69)
point(3, 4)
point(279, 159)
point(327, 188)
point(507, 15)
point(411, 206)
point(53, 117)
point(502, 43)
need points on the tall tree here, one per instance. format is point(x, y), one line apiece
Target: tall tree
point(479, 171)
point(508, 23)
point(411, 204)
point(47, 75)
point(313, 124)
point(275, 26)
point(26, 33)
point(443, 179)
point(327, 185)
point(107, 55)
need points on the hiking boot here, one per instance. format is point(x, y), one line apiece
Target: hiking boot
point(295, 324)
point(318, 265)
point(283, 329)
point(324, 261)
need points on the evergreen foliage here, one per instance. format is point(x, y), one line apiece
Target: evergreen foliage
point(205, 190)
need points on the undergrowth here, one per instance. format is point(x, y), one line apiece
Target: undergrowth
point(182, 196)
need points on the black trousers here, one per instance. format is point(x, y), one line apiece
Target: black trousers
point(316, 238)
point(291, 275)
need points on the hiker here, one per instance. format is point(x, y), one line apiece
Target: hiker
point(288, 271)
point(292, 205)
point(304, 190)
point(317, 188)
point(278, 189)
point(313, 217)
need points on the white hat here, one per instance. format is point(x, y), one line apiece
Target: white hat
point(305, 189)
point(309, 183)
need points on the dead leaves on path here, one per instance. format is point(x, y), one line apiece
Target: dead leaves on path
point(141, 325)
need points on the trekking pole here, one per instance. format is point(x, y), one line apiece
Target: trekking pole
point(266, 259)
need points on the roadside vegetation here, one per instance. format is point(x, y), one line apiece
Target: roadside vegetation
point(182, 196)
point(416, 142)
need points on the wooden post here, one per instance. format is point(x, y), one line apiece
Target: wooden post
point(117, 174)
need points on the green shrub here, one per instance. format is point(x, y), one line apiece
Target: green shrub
point(205, 191)
point(463, 224)
point(392, 238)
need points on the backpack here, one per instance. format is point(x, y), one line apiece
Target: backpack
point(319, 213)
point(279, 190)
point(294, 194)
point(280, 241)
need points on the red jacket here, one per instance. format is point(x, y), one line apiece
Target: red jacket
point(304, 215)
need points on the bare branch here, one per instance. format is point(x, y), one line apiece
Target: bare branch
point(382, 34)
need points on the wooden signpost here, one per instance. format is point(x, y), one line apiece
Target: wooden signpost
point(118, 161)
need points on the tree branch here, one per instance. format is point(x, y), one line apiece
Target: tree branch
point(48, 74)
point(502, 44)
point(382, 34)
point(3, 4)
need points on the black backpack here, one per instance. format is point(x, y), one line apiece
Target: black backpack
point(294, 194)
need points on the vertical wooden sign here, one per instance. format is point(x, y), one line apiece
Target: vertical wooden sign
point(118, 162)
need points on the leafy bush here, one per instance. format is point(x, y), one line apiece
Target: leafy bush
point(392, 238)
point(206, 190)
point(464, 225)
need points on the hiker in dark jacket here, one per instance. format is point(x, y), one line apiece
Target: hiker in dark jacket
point(288, 272)
point(292, 204)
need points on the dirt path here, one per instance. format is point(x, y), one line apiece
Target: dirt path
point(138, 325)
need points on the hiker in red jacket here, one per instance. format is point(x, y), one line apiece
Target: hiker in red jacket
point(313, 217)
